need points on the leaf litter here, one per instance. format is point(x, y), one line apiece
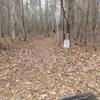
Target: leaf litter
point(40, 70)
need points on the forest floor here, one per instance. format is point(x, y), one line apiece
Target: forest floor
point(40, 70)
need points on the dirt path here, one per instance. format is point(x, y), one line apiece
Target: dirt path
point(40, 70)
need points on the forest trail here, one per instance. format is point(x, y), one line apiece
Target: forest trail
point(40, 70)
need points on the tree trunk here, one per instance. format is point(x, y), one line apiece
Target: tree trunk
point(12, 20)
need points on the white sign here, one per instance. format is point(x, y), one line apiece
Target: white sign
point(66, 43)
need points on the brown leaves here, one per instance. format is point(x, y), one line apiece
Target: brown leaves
point(40, 70)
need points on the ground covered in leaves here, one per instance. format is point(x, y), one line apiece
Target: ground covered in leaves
point(40, 70)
